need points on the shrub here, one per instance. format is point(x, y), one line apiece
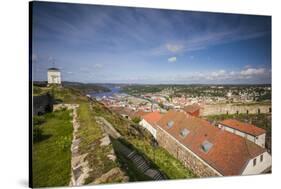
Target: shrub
point(136, 120)
point(38, 120)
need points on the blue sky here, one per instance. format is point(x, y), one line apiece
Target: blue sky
point(106, 44)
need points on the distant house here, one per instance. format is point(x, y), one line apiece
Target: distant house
point(149, 120)
point(42, 104)
point(248, 131)
point(208, 150)
point(54, 76)
point(193, 109)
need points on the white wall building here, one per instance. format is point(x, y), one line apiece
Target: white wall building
point(149, 127)
point(54, 76)
point(248, 131)
point(149, 122)
point(259, 164)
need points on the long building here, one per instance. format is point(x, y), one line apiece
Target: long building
point(206, 149)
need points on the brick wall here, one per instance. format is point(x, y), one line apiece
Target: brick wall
point(187, 158)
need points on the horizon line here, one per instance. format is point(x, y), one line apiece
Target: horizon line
point(123, 83)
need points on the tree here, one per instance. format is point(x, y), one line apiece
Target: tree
point(136, 120)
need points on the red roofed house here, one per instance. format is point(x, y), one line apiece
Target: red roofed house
point(148, 121)
point(193, 109)
point(208, 150)
point(248, 131)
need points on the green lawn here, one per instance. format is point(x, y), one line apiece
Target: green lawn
point(52, 155)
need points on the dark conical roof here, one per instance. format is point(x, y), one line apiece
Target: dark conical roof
point(54, 69)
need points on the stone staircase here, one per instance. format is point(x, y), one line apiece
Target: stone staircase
point(139, 161)
point(142, 164)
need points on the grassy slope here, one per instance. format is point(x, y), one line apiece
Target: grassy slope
point(172, 167)
point(52, 156)
point(90, 134)
point(128, 166)
point(169, 165)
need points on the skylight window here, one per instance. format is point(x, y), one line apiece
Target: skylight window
point(170, 124)
point(206, 146)
point(184, 132)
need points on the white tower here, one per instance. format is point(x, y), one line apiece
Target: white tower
point(54, 76)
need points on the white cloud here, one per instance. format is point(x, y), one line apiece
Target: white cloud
point(174, 48)
point(98, 66)
point(172, 59)
point(252, 71)
point(218, 73)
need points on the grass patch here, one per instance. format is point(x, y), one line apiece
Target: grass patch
point(61, 94)
point(165, 162)
point(52, 156)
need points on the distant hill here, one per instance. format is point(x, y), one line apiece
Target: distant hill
point(83, 87)
point(86, 87)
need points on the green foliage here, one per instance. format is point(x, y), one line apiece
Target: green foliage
point(161, 105)
point(38, 120)
point(37, 90)
point(136, 120)
point(52, 155)
point(165, 162)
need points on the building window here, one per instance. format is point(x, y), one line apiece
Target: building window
point(170, 124)
point(184, 132)
point(261, 158)
point(206, 146)
point(255, 162)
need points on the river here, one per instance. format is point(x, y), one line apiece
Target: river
point(113, 90)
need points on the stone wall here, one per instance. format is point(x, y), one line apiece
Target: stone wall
point(42, 104)
point(217, 109)
point(187, 158)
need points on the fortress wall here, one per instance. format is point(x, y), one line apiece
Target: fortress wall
point(232, 109)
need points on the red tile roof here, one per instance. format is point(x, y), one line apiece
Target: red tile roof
point(152, 117)
point(229, 153)
point(191, 108)
point(243, 127)
point(140, 113)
